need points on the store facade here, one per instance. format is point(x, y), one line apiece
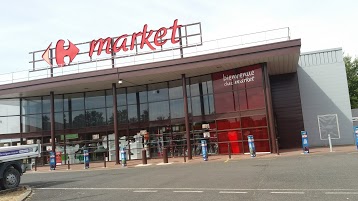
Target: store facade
point(222, 97)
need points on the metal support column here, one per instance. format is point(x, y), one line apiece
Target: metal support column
point(269, 109)
point(52, 117)
point(115, 122)
point(187, 128)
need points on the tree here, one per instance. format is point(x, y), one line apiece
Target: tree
point(352, 78)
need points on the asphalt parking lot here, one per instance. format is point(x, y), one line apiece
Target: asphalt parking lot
point(325, 176)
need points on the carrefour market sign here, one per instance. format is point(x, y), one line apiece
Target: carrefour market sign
point(144, 38)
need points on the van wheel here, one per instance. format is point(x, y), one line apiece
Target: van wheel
point(11, 179)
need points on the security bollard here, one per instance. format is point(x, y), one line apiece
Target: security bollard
point(124, 157)
point(184, 154)
point(165, 155)
point(252, 148)
point(104, 160)
point(229, 149)
point(35, 164)
point(68, 165)
point(144, 156)
point(204, 150)
point(277, 148)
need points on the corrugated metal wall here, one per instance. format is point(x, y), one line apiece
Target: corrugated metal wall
point(287, 109)
point(324, 90)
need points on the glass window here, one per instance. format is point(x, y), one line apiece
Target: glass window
point(110, 116)
point(253, 121)
point(31, 105)
point(10, 124)
point(199, 86)
point(46, 122)
point(224, 102)
point(32, 123)
point(208, 104)
point(255, 98)
point(133, 92)
point(177, 108)
point(95, 117)
point(158, 92)
point(210, 86)
point(95, 99)
point(46, 104)
point(223, 81)
point(74, 102)
point(9, 107)
point(132, 113)
point(226, 124)
point(251, 77)
point(109, 98)
point(59, 124)
point(144, 114)
point(196, 106)
point(175, 89)
point(58, 103)
point(78, 119)
point(132, 98)
point(121, 97)
point(159, 110)
point(194, 89)
point(122, 114)
point(258, 133)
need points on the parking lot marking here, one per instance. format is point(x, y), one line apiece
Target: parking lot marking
point(229, 192)
point(341, 193)
point(287, 192)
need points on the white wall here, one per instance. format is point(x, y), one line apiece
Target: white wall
point(324, 90)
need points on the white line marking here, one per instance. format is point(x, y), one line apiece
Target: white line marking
point(144, 191)
point(200, 189)
point(287, 192)
point(341, 193)
point(164, 163)
point(187, 191)
point(228, 192)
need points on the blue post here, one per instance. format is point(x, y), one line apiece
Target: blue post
point(356, 135)
point(86, 158)
point(305, 145)
point(52, 160)
point(123, 157)
point(252, 148)
point(204, 150)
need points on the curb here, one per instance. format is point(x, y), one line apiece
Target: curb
point(25, 195)
point(21, 197)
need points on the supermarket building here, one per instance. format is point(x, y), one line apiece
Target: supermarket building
point(223, 90)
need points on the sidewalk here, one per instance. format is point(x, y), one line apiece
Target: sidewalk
point(196, 159)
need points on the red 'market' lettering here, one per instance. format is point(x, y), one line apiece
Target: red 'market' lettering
point(134, 37)
point(100, 46)
point(145, 38)
point(174, 28)
point(123, 45)
point(160, 35)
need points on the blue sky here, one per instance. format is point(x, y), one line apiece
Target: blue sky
point(32, 25)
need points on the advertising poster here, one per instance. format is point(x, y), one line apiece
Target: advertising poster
point(305, 145)
point(52, 160)
point(58, 158)
point(86, 158)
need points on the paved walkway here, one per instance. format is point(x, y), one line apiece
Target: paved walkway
point(197, 159)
